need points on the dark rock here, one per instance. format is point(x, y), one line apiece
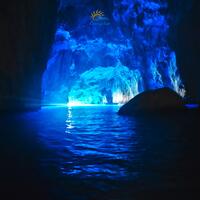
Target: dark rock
point(160, 100)
point(26, 36)
point(185, 40)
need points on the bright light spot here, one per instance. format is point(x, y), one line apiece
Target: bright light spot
point(74, 103)
point(192, 106)
point(120, 98)
point(80, 104)
point(50, 106)
point(105, 100)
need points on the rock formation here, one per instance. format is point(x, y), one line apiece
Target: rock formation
point(153, 101)
point(27, 29)
point(135, 35)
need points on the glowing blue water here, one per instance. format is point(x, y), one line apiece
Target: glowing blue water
point(96, 142)
point(93, 153)
point(88, 141)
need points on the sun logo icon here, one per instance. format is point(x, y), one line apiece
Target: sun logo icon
point(96, 14)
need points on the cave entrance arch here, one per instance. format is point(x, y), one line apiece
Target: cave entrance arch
point(109, 58)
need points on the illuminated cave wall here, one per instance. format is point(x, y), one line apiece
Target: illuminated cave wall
point(111, 58)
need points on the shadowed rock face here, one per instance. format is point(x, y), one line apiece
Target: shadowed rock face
point(163, 99)
point(185, 40)
point(27, 28)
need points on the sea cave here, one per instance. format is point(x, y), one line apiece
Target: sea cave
point(99, 99)
point(98, 61)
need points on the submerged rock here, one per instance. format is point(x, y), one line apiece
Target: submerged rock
point(160, 100)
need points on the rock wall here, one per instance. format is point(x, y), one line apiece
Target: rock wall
point(27, 29)
point(131, 34)
point(185, 39)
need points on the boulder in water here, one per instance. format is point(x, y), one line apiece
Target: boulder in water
point(159, 100)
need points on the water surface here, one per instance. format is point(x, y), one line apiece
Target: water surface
point(93, 153)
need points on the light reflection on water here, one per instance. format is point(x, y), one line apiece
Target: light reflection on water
point(87, 144)
point(89, 141)
point(95, 140)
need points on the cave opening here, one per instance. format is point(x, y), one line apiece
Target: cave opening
point(108, 52)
